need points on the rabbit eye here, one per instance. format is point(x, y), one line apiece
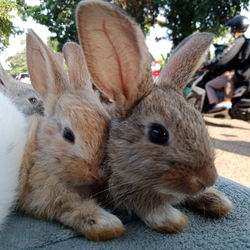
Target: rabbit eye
point(32, 100)
point(68, 135)
point(158, 134)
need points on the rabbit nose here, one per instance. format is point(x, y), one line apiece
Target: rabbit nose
point(198, 184)
point(207, 176)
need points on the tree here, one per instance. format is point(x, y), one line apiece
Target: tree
point(17, 63)
point(6, 26)
point(53, 44)
point(184, 17)
point(59, 16)
point(145, 12)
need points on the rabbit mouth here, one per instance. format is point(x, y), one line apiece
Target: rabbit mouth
point(187, 179)
point(40, 109)
point(182, 187)
point(186, 184)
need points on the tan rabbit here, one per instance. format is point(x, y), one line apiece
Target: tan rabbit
point(22, 94)
point(61, 166)
point(159, 151)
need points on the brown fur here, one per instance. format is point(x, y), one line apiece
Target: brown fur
point(172, 167)
point(172, 228)
point(148, 178)
point(211, 203)
point(58, 176)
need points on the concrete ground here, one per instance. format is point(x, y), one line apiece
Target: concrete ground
point(232, 147)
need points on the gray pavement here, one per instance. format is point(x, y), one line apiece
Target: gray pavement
point(231, 139)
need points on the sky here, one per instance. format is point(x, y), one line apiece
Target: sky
point(155, 48)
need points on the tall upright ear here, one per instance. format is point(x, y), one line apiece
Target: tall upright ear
point(185, 60)
point(3, 77)
point(46, 73)
point(60, 59)
point(116, 54)
point(77, 67)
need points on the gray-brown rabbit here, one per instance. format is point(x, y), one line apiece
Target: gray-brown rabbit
point(24, 97)
point(159, 151)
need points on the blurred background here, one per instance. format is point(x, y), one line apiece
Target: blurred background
point(164, 22)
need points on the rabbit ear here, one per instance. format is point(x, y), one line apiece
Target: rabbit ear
point(186, 59)
point(77, 68)
point(116, 54)
point(46, 73)
point(60, 59)
point(3, 76)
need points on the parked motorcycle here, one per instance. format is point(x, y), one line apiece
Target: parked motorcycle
point(240, 100)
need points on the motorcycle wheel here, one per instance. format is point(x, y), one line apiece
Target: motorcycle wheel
point(241, 110)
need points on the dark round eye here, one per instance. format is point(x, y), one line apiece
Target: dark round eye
point(32, 100)
point(158, 134)
point(68, 135)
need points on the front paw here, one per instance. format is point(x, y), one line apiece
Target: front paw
point(210, 203)
point(166, 219)
point(104, 226)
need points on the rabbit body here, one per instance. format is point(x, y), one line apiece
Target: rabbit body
point(13, 131)
point(62, 163)
point(158, 151)
point(25, 98)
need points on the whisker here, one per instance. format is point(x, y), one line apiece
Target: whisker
point(118, 200)
point(121, 198)
point(110, 188)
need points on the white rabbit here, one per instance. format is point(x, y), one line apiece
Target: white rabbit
point(13, 135)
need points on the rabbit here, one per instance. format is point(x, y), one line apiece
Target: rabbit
point(22, 94)
point(159, 153)
point(13, 133)
point(62, 163)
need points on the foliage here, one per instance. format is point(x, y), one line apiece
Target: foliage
point(162, 61)
point(59, 16)
point(6, 26)
point(183, 17)
point(53, 44)
point(17, 63)
point(145, 12)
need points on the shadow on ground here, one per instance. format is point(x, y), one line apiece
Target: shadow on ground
point(236, 147)
point(224, 125)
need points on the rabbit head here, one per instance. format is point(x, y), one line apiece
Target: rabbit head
point(158, 144)
point(22, 94)
point(71, 108)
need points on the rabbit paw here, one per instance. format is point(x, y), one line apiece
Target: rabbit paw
point(210, 203)
point(105, 226)
point(167, 219)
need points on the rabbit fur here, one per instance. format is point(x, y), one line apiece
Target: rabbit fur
point(13, 133)
point(62, 163)
point(22, 94)
point(158, 151)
